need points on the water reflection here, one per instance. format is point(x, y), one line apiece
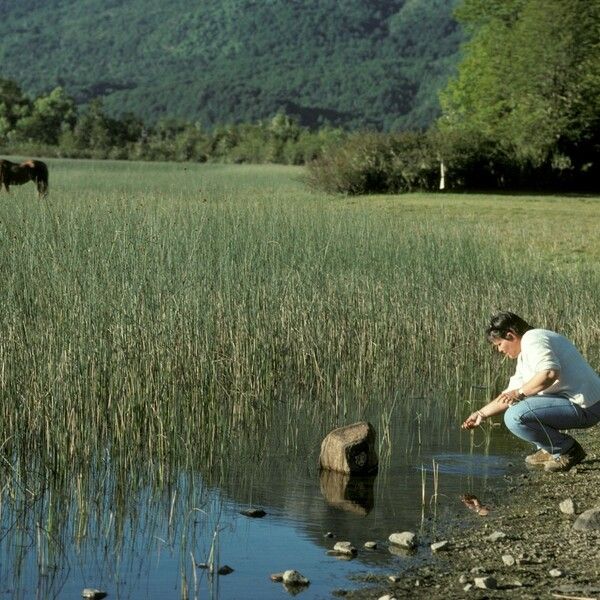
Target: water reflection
point(139, 528)
point(350, 493)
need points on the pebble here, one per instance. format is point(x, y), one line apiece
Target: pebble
point(468, 587)
point(371, 545)
point(345, 548)
point(253, 513)
point(277, 577)
point(437, 546)
point(329, 534)
point(292, 577)
point(394, 578)
point(225, 570)
point(406, 539)
point(497, 535)
point(387, 597)
point(463, 579)
point(93, 593)
point(508, 560)
point(555, 573)
point(567, 507)
point(486, 583)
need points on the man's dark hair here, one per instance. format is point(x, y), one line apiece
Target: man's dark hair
point(506, 322)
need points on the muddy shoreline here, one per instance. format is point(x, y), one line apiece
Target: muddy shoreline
point(525, 547)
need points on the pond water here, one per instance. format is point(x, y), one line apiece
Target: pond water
point(132, 537)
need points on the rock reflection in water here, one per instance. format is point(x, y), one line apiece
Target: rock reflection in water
point(352, 494)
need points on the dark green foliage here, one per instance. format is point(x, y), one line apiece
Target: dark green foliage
point(530, 86)
point(49, 118)
point(474, 162)
point(377, 163)
point(51, 126)
point(356, 64)
point(14, 105)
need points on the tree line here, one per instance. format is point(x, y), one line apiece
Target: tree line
point(52, 125)
point(523, 111)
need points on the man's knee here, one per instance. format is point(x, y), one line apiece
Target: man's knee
point(513, 416)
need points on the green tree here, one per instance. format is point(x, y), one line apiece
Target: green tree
point(282, 130)
point(95, 130)
point(50, 116)
point(530, 79)
point(14, 105)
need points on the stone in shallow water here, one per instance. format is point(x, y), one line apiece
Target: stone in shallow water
point(406, 539)
point(345, 548)
point(371, 545)
point(93, 593)
point(253, 513)
point(350, 449)
point(225, 570)
point(293, 578)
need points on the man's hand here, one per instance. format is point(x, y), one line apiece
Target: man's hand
point(473, 420)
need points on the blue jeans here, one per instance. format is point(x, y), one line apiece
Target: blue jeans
point(539, 419)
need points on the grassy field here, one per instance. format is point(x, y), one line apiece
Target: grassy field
point(168, 310)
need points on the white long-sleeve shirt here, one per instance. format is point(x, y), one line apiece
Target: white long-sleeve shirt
point(543, 350)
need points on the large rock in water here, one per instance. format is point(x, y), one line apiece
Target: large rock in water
point(350, 449)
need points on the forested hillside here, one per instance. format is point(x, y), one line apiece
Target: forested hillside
point(376, 64)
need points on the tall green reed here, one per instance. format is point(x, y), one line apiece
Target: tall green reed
point(172, 314)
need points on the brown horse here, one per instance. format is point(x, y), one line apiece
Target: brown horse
point(30, 170)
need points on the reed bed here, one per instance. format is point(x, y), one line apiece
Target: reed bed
point(171, 313)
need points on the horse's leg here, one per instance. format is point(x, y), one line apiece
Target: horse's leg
point(42, 188)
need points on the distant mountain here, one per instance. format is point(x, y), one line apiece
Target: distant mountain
point(356, 63)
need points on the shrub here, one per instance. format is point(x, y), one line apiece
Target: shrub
point(377, 163)
point(473, 161)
